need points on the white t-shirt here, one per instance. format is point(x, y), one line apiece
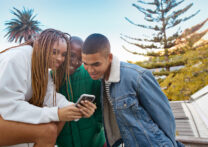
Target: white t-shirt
point(16, 90)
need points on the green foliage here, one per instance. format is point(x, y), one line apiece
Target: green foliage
point(151, 65)
point(23, 27)
point(178, 49)
point(191, 78)
point(164, 72)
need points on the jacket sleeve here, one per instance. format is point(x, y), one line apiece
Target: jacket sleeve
point(13, 88)
point(53, 98)
point(156, 104)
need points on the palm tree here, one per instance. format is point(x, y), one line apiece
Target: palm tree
point(22, 27)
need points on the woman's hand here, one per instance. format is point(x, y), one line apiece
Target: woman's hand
point(69, 113)
point(87, 108)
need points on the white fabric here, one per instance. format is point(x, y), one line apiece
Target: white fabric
point(111, 126)
point(16, 90)
point(114, 76)
point(24, 145)
point(21, 145)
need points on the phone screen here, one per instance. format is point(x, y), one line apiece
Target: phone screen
point(84, 97)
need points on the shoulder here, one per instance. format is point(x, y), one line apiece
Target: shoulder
point(132, 68)
point(132, 71)
point(24, 51)
point(17, 54)
point(80, 73)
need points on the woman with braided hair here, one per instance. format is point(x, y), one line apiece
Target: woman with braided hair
point(30, 108)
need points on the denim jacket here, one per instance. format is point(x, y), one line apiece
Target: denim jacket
point(141, 109)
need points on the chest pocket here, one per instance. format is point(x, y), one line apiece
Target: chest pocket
point(126, 102)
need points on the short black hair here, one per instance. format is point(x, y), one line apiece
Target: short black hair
point(76, 39)
point(96, 43)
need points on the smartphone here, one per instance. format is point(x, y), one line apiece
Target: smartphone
point(84, 97)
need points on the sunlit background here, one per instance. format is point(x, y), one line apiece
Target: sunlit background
point(82, 18)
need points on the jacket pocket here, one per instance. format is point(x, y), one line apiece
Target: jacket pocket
point(126, 103)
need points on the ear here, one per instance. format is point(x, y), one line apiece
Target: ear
point(110, 57)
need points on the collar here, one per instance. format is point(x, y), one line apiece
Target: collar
point(114, 76)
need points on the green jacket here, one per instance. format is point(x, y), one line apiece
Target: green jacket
point(87, 132)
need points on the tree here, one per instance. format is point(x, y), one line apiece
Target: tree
point(162, 16)
point(189, 79)
point(190, 39)
point(24, 27)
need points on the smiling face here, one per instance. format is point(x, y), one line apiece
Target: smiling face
point(97, 65)
point(59, 52)
point(76, 59)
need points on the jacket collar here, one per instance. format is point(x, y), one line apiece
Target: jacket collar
point(114, 76)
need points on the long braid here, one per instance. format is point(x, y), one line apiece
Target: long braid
point(42, 50)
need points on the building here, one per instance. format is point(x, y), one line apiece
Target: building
point(192, 119)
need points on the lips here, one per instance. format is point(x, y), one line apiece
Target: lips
point(94, 75)
point(57, 65)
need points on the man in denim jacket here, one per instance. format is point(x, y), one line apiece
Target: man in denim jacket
point(135, 110)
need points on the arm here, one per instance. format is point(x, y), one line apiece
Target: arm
point(13, 105)
point(156, 103)
point(60, 126)
point(13, 88)
point(61, 101)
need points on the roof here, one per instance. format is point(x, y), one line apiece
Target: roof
point(183, 127)
point(191, 118)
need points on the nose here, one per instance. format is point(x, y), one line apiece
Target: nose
point(60, 58)
point(74, 62)
point(90, 69)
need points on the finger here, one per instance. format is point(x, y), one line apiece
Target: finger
point(90, 104)
point(74, 109)
point(91, 108)
point(85, 104)
point(85, 114)
point(75, 113)
point(77, 117)
point(74, 116)
point(87, 108)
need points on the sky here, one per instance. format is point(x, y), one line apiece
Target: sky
point(84, 17)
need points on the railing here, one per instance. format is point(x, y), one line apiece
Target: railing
point(193, 141)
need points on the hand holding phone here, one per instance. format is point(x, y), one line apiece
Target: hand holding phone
point(84, 103)
point(84, 97)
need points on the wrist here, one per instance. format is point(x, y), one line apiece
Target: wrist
point(59, 114)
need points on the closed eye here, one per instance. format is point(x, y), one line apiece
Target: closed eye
point(64, 54)
point(54, 52)
point(94, 64)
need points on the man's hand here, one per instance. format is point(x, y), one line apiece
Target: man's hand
point(87, 108)
point(69, 113)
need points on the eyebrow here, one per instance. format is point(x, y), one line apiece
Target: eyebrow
point(58, 50)
point(92, 63)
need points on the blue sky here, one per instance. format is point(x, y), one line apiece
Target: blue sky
point(84, 17)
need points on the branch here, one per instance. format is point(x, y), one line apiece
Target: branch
point(193, 29)
point(156, 28)
point(148, 54)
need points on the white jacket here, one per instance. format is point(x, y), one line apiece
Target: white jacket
point(16, 90)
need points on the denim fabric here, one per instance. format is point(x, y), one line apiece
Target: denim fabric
point(142, 110)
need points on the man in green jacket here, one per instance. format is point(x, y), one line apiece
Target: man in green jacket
point(87, 132)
